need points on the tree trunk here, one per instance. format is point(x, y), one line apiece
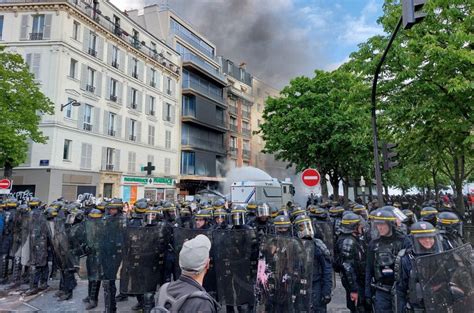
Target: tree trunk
point(334, 179)
point(385, 187)
point(458, 178)
point(435, 184)
point(324, 187)
point(7, 169)
point(345, 187)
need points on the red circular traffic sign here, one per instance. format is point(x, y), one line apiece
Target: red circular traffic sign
point(5, 184)
point(310, 177)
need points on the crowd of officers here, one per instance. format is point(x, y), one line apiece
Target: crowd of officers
point(373, 251)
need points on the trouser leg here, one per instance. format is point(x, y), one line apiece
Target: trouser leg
point(109, 296)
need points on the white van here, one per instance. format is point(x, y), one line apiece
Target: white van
point(273, 192)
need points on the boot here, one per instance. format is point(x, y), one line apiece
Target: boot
point(3, 269)
point(149, 302)
point(31, 291)
point(58, 293)
point(140, 305)
point(16, 274)
point(65, 296)
point(91, 305)
point(88, 298)
point(121, 297)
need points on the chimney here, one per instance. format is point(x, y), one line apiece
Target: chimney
point(243, 65)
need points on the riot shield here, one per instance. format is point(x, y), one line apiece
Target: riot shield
point(93, 229)
point(180, 235)
point(324, 231)
point(468, 233)
point(143, 259)
point(447, 280)
point(24, 251)
point(284, 275)
point(38, 235)
point(78, 245)
point(111, 246)
point(236, 254)
point(60, 242)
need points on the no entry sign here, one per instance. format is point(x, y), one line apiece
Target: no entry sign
point(310, 177)
point(5, 186)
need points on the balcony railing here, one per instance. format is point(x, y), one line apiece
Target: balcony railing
point(135, 75)
point(90, 88)
point(153, 84)
point(202, 143)
point(87, 127)
point(111, 132)
point(36, 36)
point(205, 90)
point(192, 42)
point(92, 52)
point(189, 57)
point(115, 64)
point(109, 167)
point(246, 131)
point(113, 98)
point(246, 114)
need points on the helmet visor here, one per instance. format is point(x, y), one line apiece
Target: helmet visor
point(304, 228)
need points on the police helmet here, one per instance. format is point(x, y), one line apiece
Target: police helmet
point(150, 217)
point(450, 223)
point(320, 213)
point(75, 215)
point(297, 211)
point(116, 204)
point(11, 203)
point(429, 214)
point(379, 217)
point(140, 207)
point(425, 238)
point(96, 213)
point(238, 215)
point(34, 203)
point(304, 226)
point(251, 207)
point(218, 204)
point(101, 206)
point(51, 212)
point(336, 211)
point(349, 223)
point(263, 210)
point(282, 224)
point(411, 217)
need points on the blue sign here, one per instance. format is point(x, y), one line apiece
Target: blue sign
point(44, 162)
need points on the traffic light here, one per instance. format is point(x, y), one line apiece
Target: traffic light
point(389, 156)
point(412, 13)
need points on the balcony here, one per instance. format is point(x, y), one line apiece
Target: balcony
point(193, 42)
point(196, 142)
point(87, 127)
point(92, 52)
point(202, 89)
point(111, 132)
point(135, 43)
point(246, 132)
point(135, 75)
point(109, 167)
point(115, 64)
point(36, 36)
point(233, 151)
point(246, 154)
point(113, 98)
point(204, 67)
point(233, 127)
point(90, 88)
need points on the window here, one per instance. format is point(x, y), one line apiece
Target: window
point(151, 135)
point(86, 156)
point(134, 99)
point(242, 74)
point(187, 163)
point(133, 130)
point(245, 125)
point(246, 145)
point(152, 78)
point(75, 30)
point(90, 80)
point(113, 89)
point(136, 39)
point(73, 68)
point(189, 106)
point(111, 124)
point(108, 189)
point(115, 56)
point(135, 68)
point(259, 107)
point(233, 142)
point(152, 106)
point(168, 139)
point(167, 166)
point(168, 86)
point(68, 109)
point(150, 158)
point(167, 116)
point(117, 29)
point(92, 44)
point(67, 150)
point(233, 124)
point(87, 117)
point(109, 159)
point(1, 27)
point(219, 115)
point(34, 62)
point(132, 158)
point(38, 27)
point(259, 122)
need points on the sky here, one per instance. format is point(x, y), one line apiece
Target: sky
point(279, 39)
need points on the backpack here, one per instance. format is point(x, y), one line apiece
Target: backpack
point(169, 304)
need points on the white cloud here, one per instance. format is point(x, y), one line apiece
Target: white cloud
point(335, 65)
point(128, 4)
point(357, 29)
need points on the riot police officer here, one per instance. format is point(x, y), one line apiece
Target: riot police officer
point(335, 214)
point(410, 220)
point(425, 241)
point(251, 210)
point(322, 272)
point(220, 219)
point(185, 217)
point(381, 255)
point(282, 226)
point(429, 214)
point(350, 257)
point(6, 235)
point(202, 219)
point(450, 229)
point(261, 223)
point(238, 218)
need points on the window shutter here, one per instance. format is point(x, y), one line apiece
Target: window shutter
point(148, 75)
point(127, 128)
point(85, 40)
point(104, 158)
point(100, 47)
point(98, 83)
point(118, 127)
point(172, 113)
point(164, 111)
point(147, 104)
point(119, 92)
point(130, 65)
point(109, 53)
point(139, 131)
point(117, 160)
point(89, 156)
point(36, 63)
point(83, 155)
point(47, 26)
point(129, 98)
point(140, 70)
point(173, 87)
point(95, 126)
point(24, 27)
point(83, 76)
point(80, 116)
point(106, 123)
point(139, 101)
point(108, 81)
point(121, 60)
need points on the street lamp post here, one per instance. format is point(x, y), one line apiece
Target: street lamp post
point(74, 103)
point(362, 187)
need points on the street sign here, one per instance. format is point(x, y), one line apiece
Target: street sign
point(5, 186)
point(310, 177)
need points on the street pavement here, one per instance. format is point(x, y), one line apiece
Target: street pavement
point(46, 302)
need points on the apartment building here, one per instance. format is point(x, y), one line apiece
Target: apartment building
point(203, 114)
point(116, 90)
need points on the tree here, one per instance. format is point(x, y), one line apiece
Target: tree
point(425, 90)
point(21, 106)
point(320, 122)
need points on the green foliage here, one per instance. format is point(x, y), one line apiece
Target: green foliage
point(21, 106)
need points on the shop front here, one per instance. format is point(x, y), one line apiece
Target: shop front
point(153, 188)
